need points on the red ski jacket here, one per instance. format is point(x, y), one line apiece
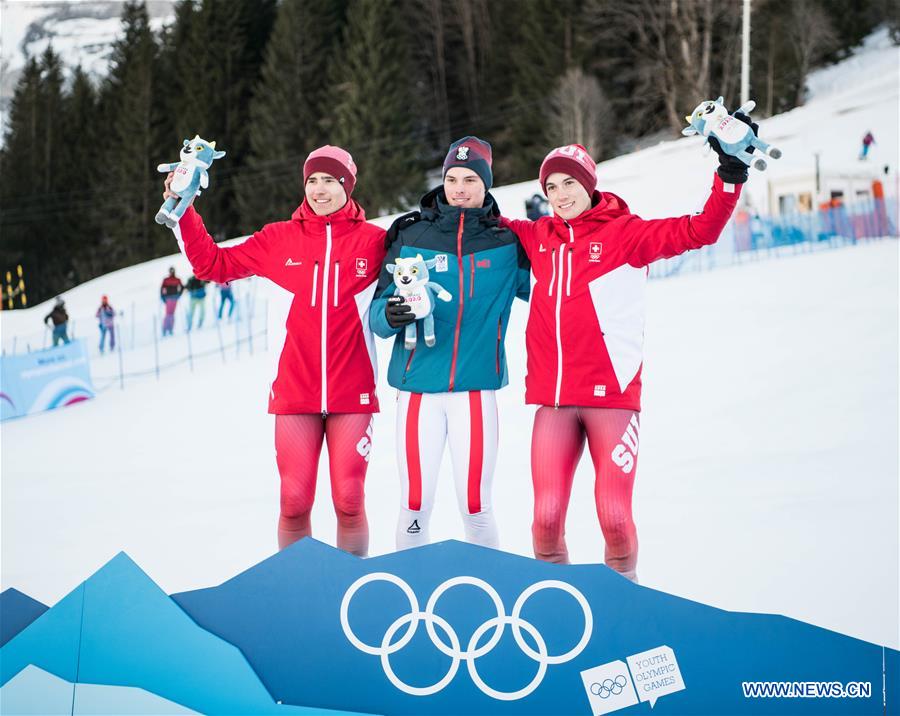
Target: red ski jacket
point(585, 329)
point(330, 264)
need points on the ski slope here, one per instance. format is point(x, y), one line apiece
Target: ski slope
point(768, 477)
point(767, 480)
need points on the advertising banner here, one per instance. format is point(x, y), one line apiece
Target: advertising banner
point(44, 380)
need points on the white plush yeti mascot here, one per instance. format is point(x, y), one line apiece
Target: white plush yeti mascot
point(197, 155)
point(710, 118)
point(411, 282)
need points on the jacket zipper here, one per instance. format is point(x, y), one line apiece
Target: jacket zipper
point(471, 274)
point(559, 352)
point(499, 339)
point(325, 319)
point(408, 363)
point(315, 284)
point(569, 277)
point(459, 312)
point(337, 267)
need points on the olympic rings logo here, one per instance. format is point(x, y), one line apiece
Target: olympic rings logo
point(609, 687)
point(472, 652)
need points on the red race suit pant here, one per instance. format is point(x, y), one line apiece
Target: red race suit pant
point(557, 443)
point(298, 444)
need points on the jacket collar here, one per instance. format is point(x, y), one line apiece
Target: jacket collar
point(435, 208)
point(349, 212)
point(605, 207)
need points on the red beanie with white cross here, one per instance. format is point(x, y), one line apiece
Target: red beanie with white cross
point(574, 160)
point(334, 161)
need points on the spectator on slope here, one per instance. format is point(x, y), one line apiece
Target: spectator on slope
point(106, 317)
point(197, 291)
point(584, 338)
point(226, 293)
point(169, 293)
point(867, 141)
point(328, 257)
point(60, 320)
point(447, 391)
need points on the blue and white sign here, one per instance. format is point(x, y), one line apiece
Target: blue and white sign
point(44, 380)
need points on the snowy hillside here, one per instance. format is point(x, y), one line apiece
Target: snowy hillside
point(82, 32)
point(768, 478)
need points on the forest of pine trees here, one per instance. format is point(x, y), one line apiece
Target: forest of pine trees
point(392, 81)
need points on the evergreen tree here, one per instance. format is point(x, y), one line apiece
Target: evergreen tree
point(79, 172)
point(128, 194)
point(372, 100)
point(288, 109)
point(216, 47)
point(542, 51)
point(20, 180)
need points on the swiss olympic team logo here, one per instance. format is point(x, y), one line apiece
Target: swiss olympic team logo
point(462, 154)
point(472, 651)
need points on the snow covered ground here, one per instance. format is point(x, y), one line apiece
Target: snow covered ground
point(768, 478)
point(767, 481)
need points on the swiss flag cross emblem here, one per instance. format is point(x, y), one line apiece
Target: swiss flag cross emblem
point(596, 249)
point(361, 266)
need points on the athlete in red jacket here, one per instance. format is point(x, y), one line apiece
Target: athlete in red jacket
point(329, 258)
point(585, 338)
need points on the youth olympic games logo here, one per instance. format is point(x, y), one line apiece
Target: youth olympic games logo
point(388, 646)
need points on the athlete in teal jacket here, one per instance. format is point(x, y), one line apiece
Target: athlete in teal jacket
point(447, 390)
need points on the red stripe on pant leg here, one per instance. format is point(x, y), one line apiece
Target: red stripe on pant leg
point(476, 451)
point(413, 465)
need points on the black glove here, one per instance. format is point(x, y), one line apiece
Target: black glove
point(398, 312)
point(400, 223)
point(731, 169)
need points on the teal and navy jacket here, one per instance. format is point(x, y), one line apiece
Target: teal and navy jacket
point(484, 268)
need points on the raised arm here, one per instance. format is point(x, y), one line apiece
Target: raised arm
point(644, 242)
point(214, 263)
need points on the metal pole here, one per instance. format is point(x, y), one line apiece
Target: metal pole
point(221, 343)
point(190, 351)
point(156, 344)
point(745, 54)
point(250, 325)
point(121, 368)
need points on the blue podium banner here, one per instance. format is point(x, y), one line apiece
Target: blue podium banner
point(456, 628)
point(44, 380)
point(448, 628)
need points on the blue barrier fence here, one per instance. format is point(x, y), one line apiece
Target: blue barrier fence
point(751, 236)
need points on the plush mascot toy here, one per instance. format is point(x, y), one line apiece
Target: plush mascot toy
point(197, 155)
point(411, 282)
point(711, 119)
